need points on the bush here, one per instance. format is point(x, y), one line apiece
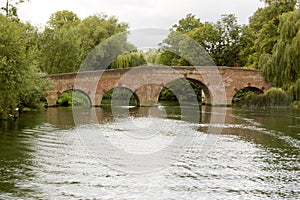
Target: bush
point(275, 97)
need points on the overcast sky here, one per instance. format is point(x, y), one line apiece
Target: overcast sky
point(141, 13)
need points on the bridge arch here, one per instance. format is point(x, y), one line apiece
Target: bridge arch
point(192, 82)
point(242, 91)
point(128, 93)
point(59, 93)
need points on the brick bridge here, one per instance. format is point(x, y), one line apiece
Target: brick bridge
point(219, 84)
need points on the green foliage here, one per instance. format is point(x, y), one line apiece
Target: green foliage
point(247, 50)
point(180, 50)
point(294, 90)
point(264, 25)
point(73, 98)
point(63, 19)
point(18, 68)
point(187, 24)
point(275, 97)
point(220, 41)
point(95, 30)
point(103, 55)
point(59, 51)
point(67, 41)
point(132, 59)
point(282, 67)
point(152, 56)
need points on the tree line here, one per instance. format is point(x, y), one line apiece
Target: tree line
point(270, 42)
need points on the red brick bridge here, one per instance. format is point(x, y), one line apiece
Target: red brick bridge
point(219, 84)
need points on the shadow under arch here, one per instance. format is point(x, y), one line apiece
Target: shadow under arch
point(243, 92)
point(76, 97)
point(178, 86)
point(120, 96)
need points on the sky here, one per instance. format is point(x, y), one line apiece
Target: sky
point(140, 13)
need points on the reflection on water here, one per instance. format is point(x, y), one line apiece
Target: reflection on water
point(255, 155)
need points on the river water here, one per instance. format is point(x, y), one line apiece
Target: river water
point(229, 153)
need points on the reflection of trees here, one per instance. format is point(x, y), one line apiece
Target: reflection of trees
point(17, 153)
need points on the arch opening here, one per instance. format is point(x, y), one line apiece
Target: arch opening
point(183, 94)
point(74, 98)
point(241, 94)
point(119, 96)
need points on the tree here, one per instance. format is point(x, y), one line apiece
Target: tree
point(221, 41)
point(282, 67)
point(171, 45)
point(63, 19)
point(264, 24)
point(97, 28)
point(66, 41)
point(247, 50)
point(187, 24)
point(132, 59)
point(170, 51)
point(10, 8)
point(59, 51)
point(18, 68)
point(103, 55)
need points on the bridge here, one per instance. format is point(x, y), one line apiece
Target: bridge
point(219, 84)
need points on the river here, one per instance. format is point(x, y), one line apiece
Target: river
point(152, 153)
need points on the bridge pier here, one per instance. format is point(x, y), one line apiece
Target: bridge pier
point(51, 98)
point(148, 95)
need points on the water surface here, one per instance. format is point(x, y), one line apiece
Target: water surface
point(234, 154)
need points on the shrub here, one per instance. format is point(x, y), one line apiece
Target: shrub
point(275, 97)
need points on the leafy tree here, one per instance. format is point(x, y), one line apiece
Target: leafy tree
point(94, 30)
point(170, 51)
point(59, 44)
point(172, 44)
point(187, 24)
point(247, 50)
point(63, 19)
point(59, 50)
point(282, 67)
point(220, 41)
point(18, 69)
point(103, 55)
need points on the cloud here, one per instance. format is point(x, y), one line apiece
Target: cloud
point(140, 13)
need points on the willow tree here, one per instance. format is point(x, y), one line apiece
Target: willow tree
point(264, 25)
point(283, 66)
point(132, 59)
